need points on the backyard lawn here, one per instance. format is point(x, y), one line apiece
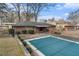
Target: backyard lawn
point(10, 47)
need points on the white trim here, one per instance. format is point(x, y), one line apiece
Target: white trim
point(37, 38)
point(39, 53)
point(65, 39)
point(35, 49)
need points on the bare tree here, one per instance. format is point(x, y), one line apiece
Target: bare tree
point(38, 7)
point(3, 10)
point(27, 11)
point(74, 16)
point(30, 9)
point(17, 7)
point(9, 14)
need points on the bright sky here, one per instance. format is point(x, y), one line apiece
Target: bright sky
point(61, 10)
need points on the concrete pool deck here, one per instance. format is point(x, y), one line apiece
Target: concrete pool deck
point(71, 35)
point(63, 35)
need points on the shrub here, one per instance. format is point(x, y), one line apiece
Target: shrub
point(24, 32)
point(29, 49)
point(19, 37)
point(31, 31)
point(18, 32)
point(21, 40)
point(24, 43)
point(12, 32)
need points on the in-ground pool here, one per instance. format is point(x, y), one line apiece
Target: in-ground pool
point(54, 46)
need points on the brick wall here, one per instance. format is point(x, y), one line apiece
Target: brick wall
point(20, 28)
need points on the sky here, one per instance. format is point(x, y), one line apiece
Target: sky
point(60, 10)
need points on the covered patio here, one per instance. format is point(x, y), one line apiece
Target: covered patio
point(38, 27)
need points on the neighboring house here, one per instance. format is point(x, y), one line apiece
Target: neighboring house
point(36, 26)
point(71, 27)
point(58, 24)
point(6, 26)
point(74, 17)
point(64, 25)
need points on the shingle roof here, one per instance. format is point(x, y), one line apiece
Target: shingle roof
point(37, 24)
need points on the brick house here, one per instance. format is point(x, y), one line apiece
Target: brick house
point(38, 27)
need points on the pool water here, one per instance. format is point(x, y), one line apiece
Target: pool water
point(52, 46)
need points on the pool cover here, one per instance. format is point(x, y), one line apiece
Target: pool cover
point(52, 46)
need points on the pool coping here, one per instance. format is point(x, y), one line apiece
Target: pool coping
point(38, 51)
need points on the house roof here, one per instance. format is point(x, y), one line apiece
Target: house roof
point(35, 24)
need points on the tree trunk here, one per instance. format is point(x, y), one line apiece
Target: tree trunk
point(36, 18)
point(18, 6)
point(19, 16)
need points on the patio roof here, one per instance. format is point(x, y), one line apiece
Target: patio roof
point(34, 24)
point(42, 25)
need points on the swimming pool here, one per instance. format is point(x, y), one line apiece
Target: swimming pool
point(54, 46)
